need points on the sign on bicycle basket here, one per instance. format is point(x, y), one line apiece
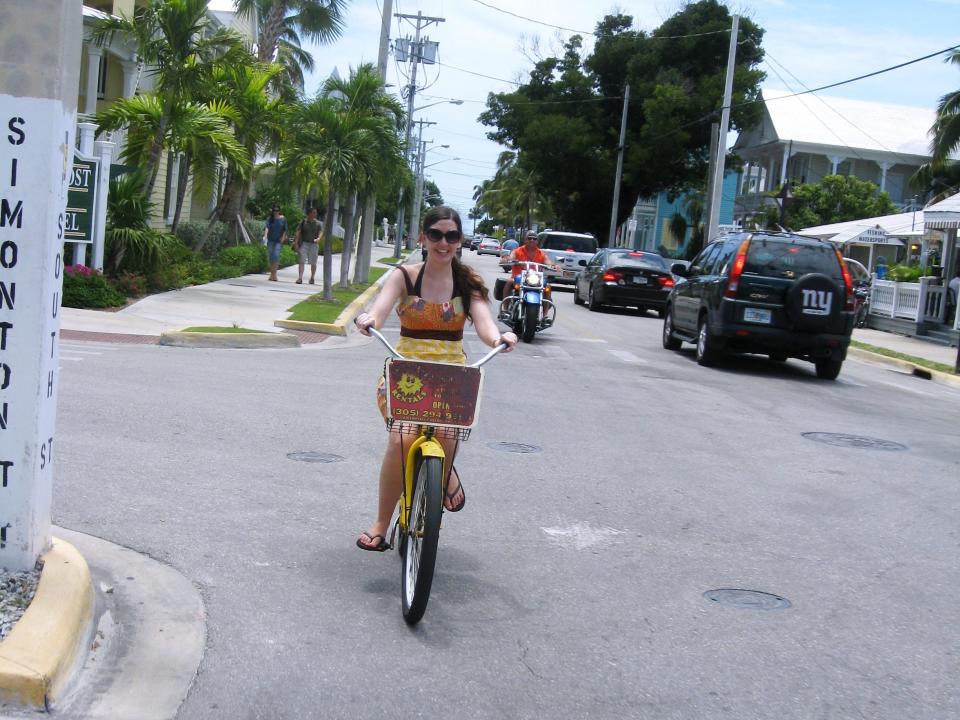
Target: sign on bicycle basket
point(432, 393)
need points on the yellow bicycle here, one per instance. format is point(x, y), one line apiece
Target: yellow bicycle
point(428, 401)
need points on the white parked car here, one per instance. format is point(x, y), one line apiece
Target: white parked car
point(489, 246)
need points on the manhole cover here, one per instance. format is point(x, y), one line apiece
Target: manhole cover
point(748, 599)
point(315, 457)
point(854, 441)
point(513, 447)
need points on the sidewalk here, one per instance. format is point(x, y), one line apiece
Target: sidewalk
point(250, 301)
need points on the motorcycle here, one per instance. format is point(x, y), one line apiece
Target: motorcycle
point(861, 304)
point(529, 307)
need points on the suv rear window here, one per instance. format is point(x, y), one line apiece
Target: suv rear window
point(565, 242)
point(776, 258)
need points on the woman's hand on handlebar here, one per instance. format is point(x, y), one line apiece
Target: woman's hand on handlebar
point(364, 321)
point(508, 339)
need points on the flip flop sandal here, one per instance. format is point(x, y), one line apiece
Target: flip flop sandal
point(382, 546)
point(451, 495)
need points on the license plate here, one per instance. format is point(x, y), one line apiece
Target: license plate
point(640, 280)
point(568, 273)
point(756, 315)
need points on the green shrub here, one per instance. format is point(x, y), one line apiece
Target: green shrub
point(172, 277)
point(218, 271)
point(189, 232)
point(86, 288)
point(287, 256)
point(255, 229)
point(131, 284)
point(904, 273)
point(251, 258)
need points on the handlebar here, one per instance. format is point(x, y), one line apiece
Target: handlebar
point(393, 351)
point(524, 263)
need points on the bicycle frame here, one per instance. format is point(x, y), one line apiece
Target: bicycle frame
point(425, 442)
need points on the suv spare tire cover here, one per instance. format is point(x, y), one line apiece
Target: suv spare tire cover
point(813, 301)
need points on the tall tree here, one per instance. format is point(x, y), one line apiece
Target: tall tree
point(836, 198)
point(565, 120)
point(941, 176)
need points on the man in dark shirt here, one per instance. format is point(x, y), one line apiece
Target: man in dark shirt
point(305, 244)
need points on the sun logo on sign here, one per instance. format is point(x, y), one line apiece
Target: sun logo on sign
point(409, 388)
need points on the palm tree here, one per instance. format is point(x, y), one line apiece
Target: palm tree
point(170, 37)
point(363, 96)
point(285, 23)
point(946, 128)
point(941, 177)
point(257, 122)
point(342, 144)
point(198, 131)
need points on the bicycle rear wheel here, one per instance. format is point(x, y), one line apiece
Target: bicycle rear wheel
point(423, 535)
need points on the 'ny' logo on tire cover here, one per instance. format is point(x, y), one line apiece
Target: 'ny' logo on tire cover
point(817, 302)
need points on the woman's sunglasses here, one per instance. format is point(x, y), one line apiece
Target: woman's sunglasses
point(452, 237)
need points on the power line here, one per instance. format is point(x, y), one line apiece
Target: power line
point(587, 32)
point(602, 98)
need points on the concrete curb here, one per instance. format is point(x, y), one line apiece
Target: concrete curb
point(918, 370)
point(339, 326)
point(40, 654)
point(178, 338)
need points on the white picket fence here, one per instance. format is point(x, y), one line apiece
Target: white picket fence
point(920, 301)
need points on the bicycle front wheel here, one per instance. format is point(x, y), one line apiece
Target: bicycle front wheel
point(423, 535)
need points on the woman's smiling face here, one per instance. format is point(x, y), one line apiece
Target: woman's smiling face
point(442, 250)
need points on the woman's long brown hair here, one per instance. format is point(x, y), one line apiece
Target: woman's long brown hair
point(464, 276)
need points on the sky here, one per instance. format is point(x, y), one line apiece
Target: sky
point(808, 43)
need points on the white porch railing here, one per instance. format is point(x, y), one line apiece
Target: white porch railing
point(920, 301)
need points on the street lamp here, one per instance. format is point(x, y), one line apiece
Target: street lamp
point(439, 102)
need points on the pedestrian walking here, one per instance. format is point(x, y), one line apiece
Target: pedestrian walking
point(275, 235)
point(305, 244)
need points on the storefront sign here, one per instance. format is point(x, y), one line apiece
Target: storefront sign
point(78, 222)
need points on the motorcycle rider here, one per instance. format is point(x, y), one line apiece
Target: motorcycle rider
point(528, 252)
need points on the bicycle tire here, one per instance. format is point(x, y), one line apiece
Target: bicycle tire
point(423, 535)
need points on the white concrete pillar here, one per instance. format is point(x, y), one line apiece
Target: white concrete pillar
point(104, 153)
point(94, 55)
point(785, 162)
point(835, 161)
point(884, 166)
point(38, 116)
point(131, 77)
point(87, 132)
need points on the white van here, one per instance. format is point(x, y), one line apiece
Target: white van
point(570, 251)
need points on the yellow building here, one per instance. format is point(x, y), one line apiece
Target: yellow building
point(113, 71)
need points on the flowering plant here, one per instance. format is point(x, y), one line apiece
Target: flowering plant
point(78, 270)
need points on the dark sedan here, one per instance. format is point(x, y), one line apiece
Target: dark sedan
point(627, 278)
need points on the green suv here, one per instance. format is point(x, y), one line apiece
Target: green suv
point(779, 294)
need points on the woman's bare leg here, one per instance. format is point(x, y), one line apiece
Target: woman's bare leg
point(453, 479)
point(391, 486)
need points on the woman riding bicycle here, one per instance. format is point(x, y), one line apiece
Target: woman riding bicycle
point(435, 299)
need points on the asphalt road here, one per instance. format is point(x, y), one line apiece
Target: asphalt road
point(572, 585)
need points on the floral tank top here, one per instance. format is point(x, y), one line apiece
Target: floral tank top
point(431, 331)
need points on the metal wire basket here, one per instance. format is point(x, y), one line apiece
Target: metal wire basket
point(439, 431)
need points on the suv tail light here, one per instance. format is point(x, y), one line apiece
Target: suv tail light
point(847, 281)
point(665, 281)
point(612, 276)
point(733, 282)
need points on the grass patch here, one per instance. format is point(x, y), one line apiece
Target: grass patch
point(929, 364)
point(218, 329)
point(314, 309)
point(392, 260)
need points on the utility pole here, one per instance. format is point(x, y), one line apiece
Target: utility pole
point(38, 116)
point(416, 56)
point(616, 179)
point(361, 271)
point(716, 190)
point(418, 175)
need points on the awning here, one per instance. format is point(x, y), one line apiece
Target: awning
point(865, 235)
point(944, 215)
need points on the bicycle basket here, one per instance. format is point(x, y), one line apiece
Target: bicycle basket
point(432, 393)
